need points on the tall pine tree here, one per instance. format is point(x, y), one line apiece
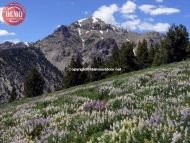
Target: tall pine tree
point(176, 43)
point(114, 58)
point(157, 55)
point(113, 61)
point(73, 78)
point(127, 58)
point(151, 53)
point(97, 75)
point(142, 54)
point(33, 84)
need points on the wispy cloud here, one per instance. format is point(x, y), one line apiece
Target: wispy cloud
point(6, 33)
point(157, 10)
point(131, 24)
point(128, 7)
point(158, 27)
point(106, 13)
point(128, 10)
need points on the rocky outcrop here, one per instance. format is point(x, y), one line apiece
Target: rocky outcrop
point(15, 63)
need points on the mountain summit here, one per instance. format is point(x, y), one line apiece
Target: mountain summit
point(88, 37)
point(93, 23)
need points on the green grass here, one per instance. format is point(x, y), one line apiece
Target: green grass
point(12, 105)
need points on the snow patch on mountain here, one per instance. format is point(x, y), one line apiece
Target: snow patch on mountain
point(83, 43)
point(101, 32)
point(113, 28)
point(81, 20)
point(26, 43)
point(94, 19)
point(79, 31)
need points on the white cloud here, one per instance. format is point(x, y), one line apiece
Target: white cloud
point(159, 1)
point(128, 10)
point(128, 7)
point(161, 27)
point(158, 27)
point(6, 33)
point(106, 13)
point(1, 18)
point(130, 16)
point(141, 25)
point(149, 19)
point(147, 8)
point(158, 10)
point(131, 24)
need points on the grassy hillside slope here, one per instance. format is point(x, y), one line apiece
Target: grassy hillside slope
point(147, 106)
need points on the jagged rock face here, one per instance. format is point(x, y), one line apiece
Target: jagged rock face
point(15, 63)
point(87, 37)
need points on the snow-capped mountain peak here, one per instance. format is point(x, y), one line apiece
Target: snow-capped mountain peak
point(89, 37)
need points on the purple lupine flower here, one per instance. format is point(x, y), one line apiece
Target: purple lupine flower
point(185, 113)
point(155, 119)
point(37, 121)
point(95, 105)
point(100, 105)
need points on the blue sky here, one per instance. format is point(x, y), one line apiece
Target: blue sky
point(43, 17)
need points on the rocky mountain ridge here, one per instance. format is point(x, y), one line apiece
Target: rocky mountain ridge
point(87, 37)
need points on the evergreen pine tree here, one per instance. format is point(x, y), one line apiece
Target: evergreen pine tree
point(177, 40)
point(113, 61)
point(33, 84)
point(73, 78)
point(70, 76)
point(114, 58)
point(127, 58)
point(97, 75)
point(165, 53)
point(157, 55)
point(151, 52)
point(142, 54)
point(80, 75)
